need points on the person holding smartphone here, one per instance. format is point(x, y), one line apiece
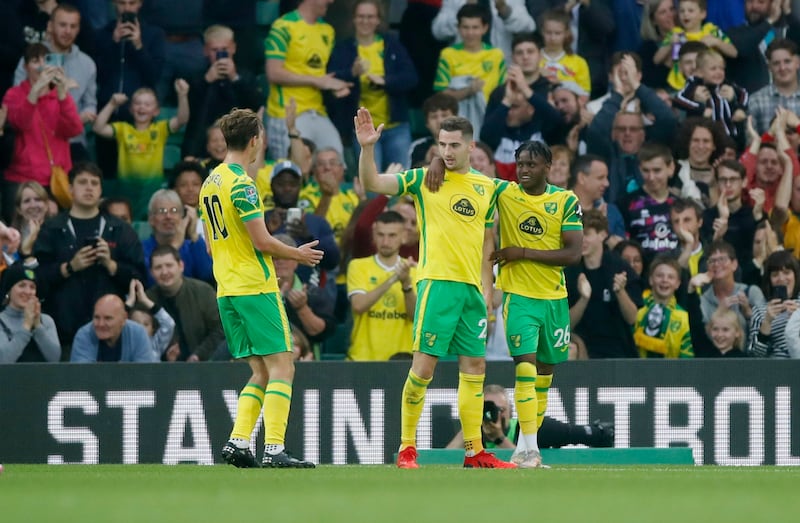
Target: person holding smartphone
point(218, 90)
point(768, 325)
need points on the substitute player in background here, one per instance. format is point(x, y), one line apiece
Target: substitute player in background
point(455, 279)
point(248, 296)
point(540, 232)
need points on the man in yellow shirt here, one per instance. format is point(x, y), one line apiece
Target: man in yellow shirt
point(297, 51)
point(381, 292)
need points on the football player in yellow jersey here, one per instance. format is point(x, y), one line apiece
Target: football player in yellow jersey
point(249, 301)
point(540, 232)
point(455, 279)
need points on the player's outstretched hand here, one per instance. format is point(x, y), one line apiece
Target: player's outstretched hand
point(366, 133)
point(434, 176)
point(308, 255)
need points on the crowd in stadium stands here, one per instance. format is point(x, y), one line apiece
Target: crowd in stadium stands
point(675, 122)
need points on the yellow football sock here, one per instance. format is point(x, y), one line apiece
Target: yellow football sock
point(248, 408)
point(277, 400)
point(543, 382)
point(411, 408)
point(470, 410)
point(525, 397)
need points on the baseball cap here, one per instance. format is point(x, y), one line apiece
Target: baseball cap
point(286, 165)
point(571, 87)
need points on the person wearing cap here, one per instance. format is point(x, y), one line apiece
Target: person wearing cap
point(286, 181)
point(26, 334)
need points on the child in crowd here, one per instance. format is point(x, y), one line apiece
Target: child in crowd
point(156, 320)
point(435, 109)
point(470, 71)
point(559, 63)
point(140, 146)
point(482, 159)
point(726, 333)
point(559, 169)
point(707, 93)
point(687, 58)
point(691, 14)
point(662, 326)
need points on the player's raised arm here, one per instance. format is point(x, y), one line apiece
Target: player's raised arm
point(266, 243)
point(368, 136)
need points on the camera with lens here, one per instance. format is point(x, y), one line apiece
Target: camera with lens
point(491, 412)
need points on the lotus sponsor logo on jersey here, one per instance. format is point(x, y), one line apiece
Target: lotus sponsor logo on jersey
point(251, 195)
point(315, 61)
point(464, 206)
point(530, 224)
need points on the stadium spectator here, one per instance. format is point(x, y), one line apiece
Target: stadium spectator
point(727, 335)
point(699, 143)
point(26, 334)
point(111, 336)
point(783, 90)
point(310, 309)
point(723, 290)
point(765, 22)
point(658, 19)
point(119, 207)
point(617, 134)
point(646, 211)
point(43, 116)
point(362, 243)
point(686, 218)
point(286, 180)
point(30, 213)
point(157, 322)
point(34, 23)
point(297, 50)
point(175, 225)
point(692, 26)
point(710, 94)
point(740, 227)
point(382, 74)
point(328, 195)
point(604, 294)
point(631, 252)
point(79, 69)
point(190, 302)
point(140, 146)
point(471, 70)
point(588, 179)
point(501, 431)
point(560, 62)
point(84, 254)
point(482, 160)
point(766, 161)
point(130, 53)
point(217, 90)
point(662, 325)
point(436, 108)
point(523, 115)
point(382, 294)
point(506, 18)
point(768, 324)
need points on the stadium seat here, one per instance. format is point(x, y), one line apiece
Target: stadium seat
point(266, 12)
point(172, 155)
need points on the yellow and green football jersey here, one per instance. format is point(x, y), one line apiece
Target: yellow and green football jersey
point(304, 49)
point(487, 64)
point(228, 199)
point(535, 222)
point(140, 154)
point(452, 223)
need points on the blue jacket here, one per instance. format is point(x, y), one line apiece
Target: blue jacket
point(197, 263)
point(399, 71)
point(136, 346)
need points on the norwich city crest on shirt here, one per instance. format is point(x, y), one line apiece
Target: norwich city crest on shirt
point(516, 340)
point(430, 339)
point(478, 189)
point(487, 66)
point(550, 207)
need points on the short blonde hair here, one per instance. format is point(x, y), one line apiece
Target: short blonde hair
point(144, 90)
point(724, 315)
point(218, 32)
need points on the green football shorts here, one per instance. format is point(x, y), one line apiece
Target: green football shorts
point(538, 327)
point(255, 325)
point(450, 318)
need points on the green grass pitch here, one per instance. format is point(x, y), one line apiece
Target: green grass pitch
point(443, 493)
